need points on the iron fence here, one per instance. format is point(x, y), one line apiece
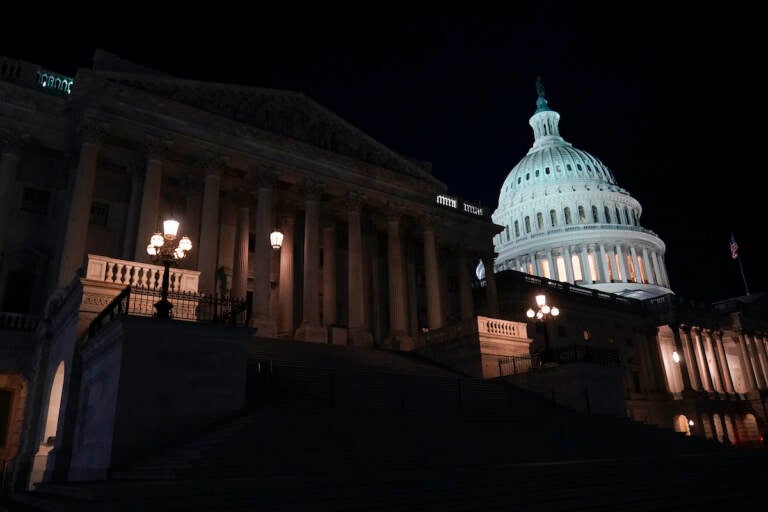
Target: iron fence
point(190, 306)
point(512, 365)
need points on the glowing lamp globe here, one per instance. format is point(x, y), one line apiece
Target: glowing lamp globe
point(530, 313)
point(554, 311)
point(545, 309)
point(185, 244)
point(170, 228)
point(541, 300)
point(276, 239)
point(157, 240)
point(675, 356)
point(151, 250)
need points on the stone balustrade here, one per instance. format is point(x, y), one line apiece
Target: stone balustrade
point(142, 275)
point(504, 328)
point(18, 322)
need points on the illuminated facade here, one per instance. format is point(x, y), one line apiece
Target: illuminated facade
point(565, 218)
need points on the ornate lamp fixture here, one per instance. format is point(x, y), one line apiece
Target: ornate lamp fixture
point(543, 313)
point(276, 238)
point(162, 250)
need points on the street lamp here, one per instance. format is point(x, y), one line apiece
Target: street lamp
point(161, 249)
point(690, 427)
point(543, 313)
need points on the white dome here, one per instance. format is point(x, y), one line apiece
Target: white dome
point(566, 218)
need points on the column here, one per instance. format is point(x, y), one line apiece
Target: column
point(716, 374)
point(465, 281)
point(727, 380)
point(633, 255)
point(568, 266)
point(432, 273)
point(240, 261)
point(310, 328)
point(492, 297)
point(701, 356)
point(663, 270)
point(130, 234)
point(329, 271)
point(686, 372)
point(690, 357)
point(261, 318)
point(622, 264)
point(209, 227)
point(149, 213)
point(604, 265)
point(358, 335)
point(553, 273)
point(285, 318)
point(761, 355)
point(398, 298)
point(756, 363)
point(76, 231)
point(656, 273)
point(227, 238)
point(534, 265)
point(746, 364)
point(586, 273)
point(12, 145)
point(647, 266)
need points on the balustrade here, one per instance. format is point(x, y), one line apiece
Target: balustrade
point(498, 327)
point(139, 275)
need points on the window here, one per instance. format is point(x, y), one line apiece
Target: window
point(537, 173)
point(607, 215)
point(539, 221)
point(517, 229)
point(519, 179)
point(595, 216)
point(578, 167)
point(35, 200)
point(626, 215)
point(527, 224)
point(567, 214)
point(546, 171)
point(634, 218)
point(527, 176)
point(618, 216)
point(99, 214)
point(553, 217)
point(582, 215)
point(568, 167)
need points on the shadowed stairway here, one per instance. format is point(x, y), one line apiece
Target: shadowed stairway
point(331, 428)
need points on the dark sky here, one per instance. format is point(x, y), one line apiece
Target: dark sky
point(670, 97)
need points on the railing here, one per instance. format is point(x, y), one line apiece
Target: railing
point(459, 204)
point(190, 306)
point(143, 275)
point(18, 322)
point(54, 82)
point(118, 307)
point(512, 365)
point(32, 75)
point(498, 327)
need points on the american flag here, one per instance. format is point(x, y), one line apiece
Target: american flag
point(734, 248)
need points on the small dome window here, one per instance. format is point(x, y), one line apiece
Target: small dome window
point(578, 167)
point(546, 170)
point(595, 216)
point(539, 221)
point(618, 216)
point(527, 224)
point(527, 176)
point(517, 229)
point(582, 215)
point(553, 217)
point(537, 173)
point(568, 167)
point(519, 179)
point(558, 168)
point(567, 213)
point(589, 169)
point(607, 215)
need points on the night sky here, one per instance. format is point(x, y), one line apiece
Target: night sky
point(670, 97)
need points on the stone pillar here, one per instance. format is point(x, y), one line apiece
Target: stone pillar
point(568, 266)
point(690, 358)
point(227, 239)
point(130, 234)
point(149, 213)
point(746, 364)
point(604, 265)
point(12, 145)
point(726, 371)
point(761, 356)
point(656, 272)
point(756, 363)
point(701, 356)
point(647, 266)
point(586, 273)
point(663, 270)
point(534, 265)
point(240, 262)
point(622, 264)
point(553, 274)
point(310, 328)
point(261, 318)
point(398, 297)
point(686, 370)
point(716, 373)
point(285, 320)
point(358, 334)
point(465, 282)
point(76, 231)
point(432, 273)
point(491, 295)
point(209, 227)
point(329, 272)
point(633, 255)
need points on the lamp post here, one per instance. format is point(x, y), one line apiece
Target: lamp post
point(690, 427)
point(543, 313)
point(161, 249)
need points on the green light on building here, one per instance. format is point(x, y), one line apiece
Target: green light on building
point(54, 82)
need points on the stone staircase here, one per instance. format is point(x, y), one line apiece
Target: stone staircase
point(326, 432)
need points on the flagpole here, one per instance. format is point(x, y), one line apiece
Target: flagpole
point(742, 275)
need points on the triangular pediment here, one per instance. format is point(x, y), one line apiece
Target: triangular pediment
point(287, 113)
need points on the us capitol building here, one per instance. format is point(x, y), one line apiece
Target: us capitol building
point(302, 228)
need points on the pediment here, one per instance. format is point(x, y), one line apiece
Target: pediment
point(287, 113)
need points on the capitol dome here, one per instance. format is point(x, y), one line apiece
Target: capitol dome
point(566, 218)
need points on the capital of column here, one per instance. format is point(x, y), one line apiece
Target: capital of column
point(13, 142)
point(353, 201)
point(313, 189)
point(259, 177)
point(156, 147)
point(92, 130)
point(212, 163)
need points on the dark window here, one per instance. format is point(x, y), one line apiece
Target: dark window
point(527, 176)
point(539, 221)
point(18, 292)
point(546, 170)
point(537, 173)
point(568, 166)
point(517, 229)
point(582, 215)
point(527, 224)
point(618, 216)
point(6, 396)
point(99, 214)
point(35, 200)
point(567, 213)
point(553, 217)
point(578, 166)
point(607, 215)
point(595, 216)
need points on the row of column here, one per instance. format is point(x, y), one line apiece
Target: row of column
point(705, 364)
point(610, 264)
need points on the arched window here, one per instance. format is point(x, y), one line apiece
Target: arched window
point(507, 232)
point(582, 215)
point(626, 215)
point(578, 167)
point(568, 167)
point(546, 170)
point(558, 168)
point(527, 224)
point(607, 215)
point(517, 229)
point(519, 179)
point(618, 216)
point(567, 214)
point(537, 173)
point(527, 176)
point(539, 221)
point(595, 216)
point(553, 217)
